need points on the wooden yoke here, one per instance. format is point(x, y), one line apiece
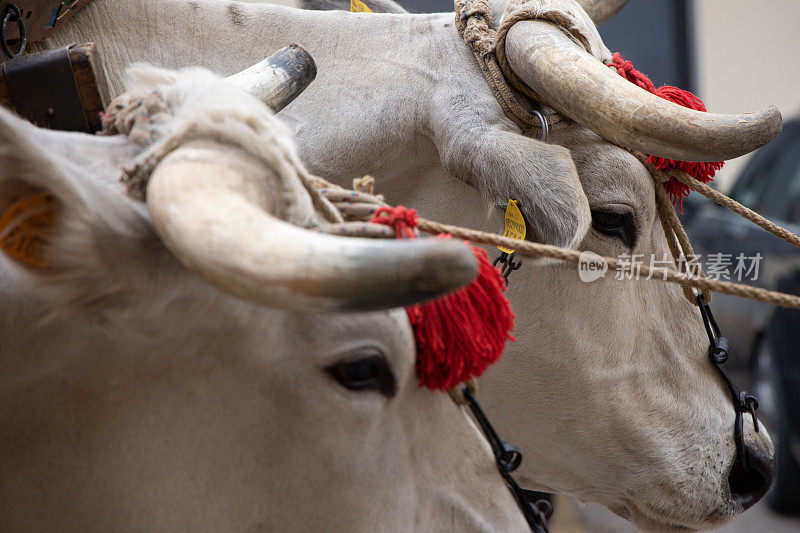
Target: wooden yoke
point(59, 89)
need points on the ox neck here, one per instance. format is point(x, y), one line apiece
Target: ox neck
point(235, 33)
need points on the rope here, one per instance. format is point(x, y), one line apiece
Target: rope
point(354, 202)
point(723, 200)
point(142, 116)
point(684, 279)
point(474, 23)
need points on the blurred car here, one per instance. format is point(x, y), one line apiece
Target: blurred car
point(765, 340)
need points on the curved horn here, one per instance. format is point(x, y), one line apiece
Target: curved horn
point(213, 213)
point(280, 78)
point(576, 84)
point(601, 11)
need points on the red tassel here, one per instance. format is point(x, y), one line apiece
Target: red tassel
point(459, 335)
point(704, 172)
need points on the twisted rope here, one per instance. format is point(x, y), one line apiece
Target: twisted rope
point(360, 206)
point(721, 199)
point(142, 118)
point(474, 23)
point(684, 279)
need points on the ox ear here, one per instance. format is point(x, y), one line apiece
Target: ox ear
point(75, 234)
point(506, 165)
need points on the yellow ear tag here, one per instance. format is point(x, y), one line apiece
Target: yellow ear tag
point(515, 225)
point(357, 6)
point(25, 229)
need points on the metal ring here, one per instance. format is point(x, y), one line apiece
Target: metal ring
point(545, 508)
point(545, 125)
point(13, 14)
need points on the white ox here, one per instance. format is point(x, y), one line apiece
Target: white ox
point(608, 389)
point(150, 400)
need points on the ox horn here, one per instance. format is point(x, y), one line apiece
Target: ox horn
point(601, 11)
point(579, 86)
point(215, 216)
point(280, 78)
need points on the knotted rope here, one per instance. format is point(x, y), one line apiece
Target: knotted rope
point(148, 120)
point(474, 23)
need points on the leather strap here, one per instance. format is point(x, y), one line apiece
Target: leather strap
point(536, 507)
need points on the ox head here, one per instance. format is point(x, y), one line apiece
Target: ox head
point(617, 372)
point(153, 399)
point(608, 389)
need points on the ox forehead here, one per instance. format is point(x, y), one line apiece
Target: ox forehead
point(604, 375)
point(151, 399)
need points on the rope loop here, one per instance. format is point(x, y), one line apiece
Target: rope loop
point(474, 23)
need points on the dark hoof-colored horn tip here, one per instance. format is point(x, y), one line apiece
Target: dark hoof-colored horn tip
point(300, 70)
point(450, 266)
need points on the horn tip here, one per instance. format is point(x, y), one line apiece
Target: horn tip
point(771, 121)
point(776, 116)
point(302, 61)
point(449, 266)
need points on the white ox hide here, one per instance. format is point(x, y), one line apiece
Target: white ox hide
point(150, 400)
point(608, 389)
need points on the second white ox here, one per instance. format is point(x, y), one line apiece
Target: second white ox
point(153, 401)
point(608, 389)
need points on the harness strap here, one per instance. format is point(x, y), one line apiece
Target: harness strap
point(718, 352)
point(534, 505)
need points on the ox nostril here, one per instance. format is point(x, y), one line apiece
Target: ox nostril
point(749, 483)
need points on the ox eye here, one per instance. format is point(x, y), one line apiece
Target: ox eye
point(616, 224)
point(367, 372)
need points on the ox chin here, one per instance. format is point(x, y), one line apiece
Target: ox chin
point(648, 520)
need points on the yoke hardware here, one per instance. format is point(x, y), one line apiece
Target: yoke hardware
point(58, 108)
point(41, 19)
point(13, 15)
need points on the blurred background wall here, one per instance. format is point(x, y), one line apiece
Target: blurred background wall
point(746, 57)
